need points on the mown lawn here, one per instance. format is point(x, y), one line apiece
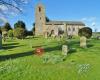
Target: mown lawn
point(18, 62)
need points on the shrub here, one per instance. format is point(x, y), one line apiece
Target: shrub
point(29, 33)
point(52, 58)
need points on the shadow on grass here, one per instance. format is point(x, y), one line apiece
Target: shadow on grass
point(59, 47)
point(11, 45)
point(49, 49)
point(14, 56)
point(73, 43)
point(76, 44)
point(72, 51)
point(54, 48)
point(89, 45)
point(37, 46)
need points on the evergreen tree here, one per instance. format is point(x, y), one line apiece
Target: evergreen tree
point(86, 32)
point(20, 24)
point(6, 27)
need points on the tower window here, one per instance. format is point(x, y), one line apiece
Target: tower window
point(40, 18)
point(39, 9)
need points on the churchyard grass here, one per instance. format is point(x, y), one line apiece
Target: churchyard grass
point(18, 62)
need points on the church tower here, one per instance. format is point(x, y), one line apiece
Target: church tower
point(40, 19)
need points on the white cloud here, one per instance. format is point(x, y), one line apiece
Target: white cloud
point(92, 19)
point(93, 24)
point(84, 19)
point(89, 19)
point(3, 20)
point(3, 7)
point(25, 1)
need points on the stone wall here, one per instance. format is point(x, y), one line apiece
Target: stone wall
point(73, 29)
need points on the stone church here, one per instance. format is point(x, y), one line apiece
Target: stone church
point(43, 26)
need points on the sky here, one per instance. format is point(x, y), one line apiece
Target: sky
point(87, 11)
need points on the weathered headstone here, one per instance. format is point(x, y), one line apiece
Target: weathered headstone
point(83, 42)
point(4, 33)
point(98, 37)
point(65, 50)
point(0, 41)
point(46, 35)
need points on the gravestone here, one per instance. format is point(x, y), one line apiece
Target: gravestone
point(98, 37)
point(65, 50)
point(46, 35)
point(4, 34)
point(83, 42)
point(0, 41)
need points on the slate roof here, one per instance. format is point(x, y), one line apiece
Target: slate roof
point(65, 22)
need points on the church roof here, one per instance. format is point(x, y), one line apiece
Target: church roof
point(65, 22)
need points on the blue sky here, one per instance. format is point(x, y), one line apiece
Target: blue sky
point(87, 11)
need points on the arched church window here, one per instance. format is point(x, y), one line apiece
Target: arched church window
point(69, 29)
point(73, 29)
point(39, 9)
point(52, 31)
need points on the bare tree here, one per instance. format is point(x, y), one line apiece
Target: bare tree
point(11, 7)
point(9, 4)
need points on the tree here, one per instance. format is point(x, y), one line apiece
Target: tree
point(0, 31)
point(29, 33)
point(10, 5)
point(86, 31)
point(10, 34)
point(5, 30)
point(20, 30)
point(0, 41)
point(20, 33)
point(6, 27)
point(33, 29)
point(47, 19)
point(20, 24)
